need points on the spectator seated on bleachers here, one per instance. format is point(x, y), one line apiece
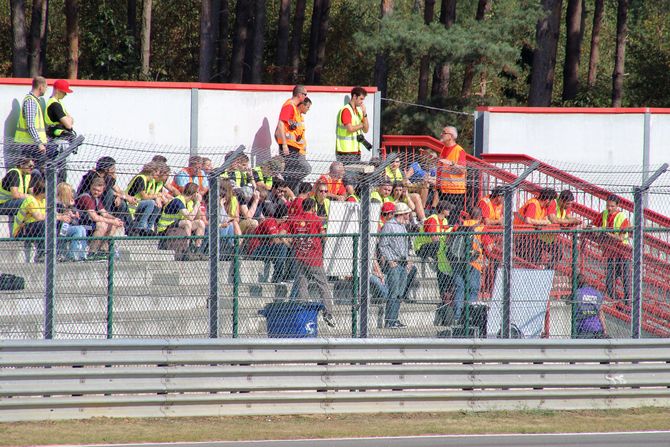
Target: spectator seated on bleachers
point(96, 219)
point(272, 250)
point(181, 217)
point(269, 171)
point(382, 193)
point(29, 221)
point(333, 181)
point(144, 210)
point(69, 225)
point(193, 173)
point(15, 187)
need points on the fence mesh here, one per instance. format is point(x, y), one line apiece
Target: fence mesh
point(276, 279)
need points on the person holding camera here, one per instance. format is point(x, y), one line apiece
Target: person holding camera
point(290, 136)
point(352, 123)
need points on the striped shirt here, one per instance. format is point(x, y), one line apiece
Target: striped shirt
point(29, 113)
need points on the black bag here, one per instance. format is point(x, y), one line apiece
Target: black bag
point(459, 248)
point(11, 282)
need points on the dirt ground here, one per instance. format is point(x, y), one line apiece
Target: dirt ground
point(104, 430)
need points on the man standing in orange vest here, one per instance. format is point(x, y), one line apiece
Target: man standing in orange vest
point(451, 170)
point(289, 135)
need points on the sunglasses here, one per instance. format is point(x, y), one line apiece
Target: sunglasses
point(323, 190)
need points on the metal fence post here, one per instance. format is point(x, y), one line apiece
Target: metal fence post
point(365, 258)
point(506, 324)
point(110, 289)
point(639, 194)
point(365, 242)
point(214, 245)
point(573, 286)
point(51, 171)
point(507, 263)
point(354, 297)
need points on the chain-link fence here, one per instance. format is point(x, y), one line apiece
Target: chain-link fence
point(251, 263)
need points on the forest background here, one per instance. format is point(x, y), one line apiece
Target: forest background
point(434, 61)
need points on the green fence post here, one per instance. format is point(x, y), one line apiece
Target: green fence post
point(354, 297)
point(236, 286)
point(110, 289)
point(573, 289)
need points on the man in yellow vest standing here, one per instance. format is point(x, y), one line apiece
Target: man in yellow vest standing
point(352, 123)
point(31, 135)
point(451, 171)
point(616, 250)
point(58, 121)
point(290, 136)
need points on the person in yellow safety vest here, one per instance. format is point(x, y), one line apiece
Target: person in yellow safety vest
point(492, 207)
point(616, 250)
point(431, 245)
point(31, 132)
point(383, 193)
point(468, 271)
point(160, 186)
point(560, 210)
point(352, 123)
point(322, 202)
point(144, 210)
point(15, 187)
point(182, 213)
point(58, 121)
point(393, 172)
point(30, 219)
point(240, 173)
point(267, 171)
point(451, 170)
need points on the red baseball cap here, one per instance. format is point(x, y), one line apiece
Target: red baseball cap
point(62, 85)
point(388, 207)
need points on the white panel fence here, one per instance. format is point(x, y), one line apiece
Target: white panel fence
point(152, 378)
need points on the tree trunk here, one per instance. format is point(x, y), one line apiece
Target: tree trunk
point(249, 49)
point(131, 20)
point(206, 42)
point(424, 68)
point(223, 40)
point(281, 71)
point(317, 41)
point(38, 35)
point(443, 70)
point(573, 46)
point(595, 43)
point(321, 47)
point(19, 43)
point(146, 38)
point(239, 40)
point(483, 7)
point(258, 44)
point(296, 39)
point(620, 55)
point(72, 31)
point(381, 64)
point(544, 56)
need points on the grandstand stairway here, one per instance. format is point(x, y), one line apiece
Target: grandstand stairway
point(495, 169)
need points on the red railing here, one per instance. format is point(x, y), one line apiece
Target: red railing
point(494, 169)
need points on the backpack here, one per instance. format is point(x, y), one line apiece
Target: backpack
point(459, 247)
point(11, 282)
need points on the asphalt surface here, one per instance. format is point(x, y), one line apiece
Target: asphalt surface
point(629, 439)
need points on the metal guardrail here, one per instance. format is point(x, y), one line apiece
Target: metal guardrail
point(50, 379)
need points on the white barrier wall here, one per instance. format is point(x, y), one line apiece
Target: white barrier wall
point(605, 137)
point(192, 115)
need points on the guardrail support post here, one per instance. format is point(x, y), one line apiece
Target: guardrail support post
point(639, 197)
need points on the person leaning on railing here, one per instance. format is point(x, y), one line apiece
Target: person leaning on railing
point(534, 212)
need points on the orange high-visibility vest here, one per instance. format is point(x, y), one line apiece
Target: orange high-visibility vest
point(294, 138)
point(495, 211)
point(451, 183)
point(540, 212)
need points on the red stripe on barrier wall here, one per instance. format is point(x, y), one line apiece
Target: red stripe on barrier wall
point(573, 110)
point(188, 85)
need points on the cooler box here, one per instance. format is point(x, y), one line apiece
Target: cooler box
point(292, 319)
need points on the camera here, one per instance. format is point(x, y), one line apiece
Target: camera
point(361, 139)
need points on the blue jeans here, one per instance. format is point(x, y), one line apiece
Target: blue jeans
point(467, 280)
point(144, 213)
point(277, 254)
point(77, 249)
point(378, 288)
point(396, 279)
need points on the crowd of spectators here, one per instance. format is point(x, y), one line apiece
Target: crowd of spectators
point(287, 214)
